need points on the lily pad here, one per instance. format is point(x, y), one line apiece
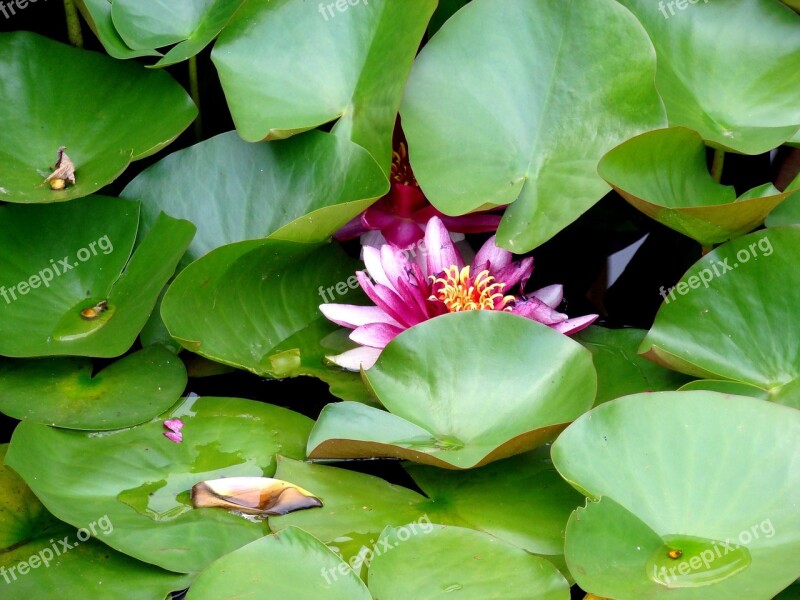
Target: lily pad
point(291, 564)
point(540, 378)
point(141, 480)
point(620, 370)
point(62, 283)
point(674, 473)
point(189, 24)
point(43, 558)
point(55, 95)
point(521, 500)
point(327, 63)
point(356, 507)
point(724, 386)
point(63, 392)
point(741, 95)
point(538, 122)
point(255, 305)
point(732, 316)
point(98, 16)
point(452, 559)
point(233, 190)
point(663, 174)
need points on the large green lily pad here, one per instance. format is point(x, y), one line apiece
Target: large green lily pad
point(64, 259)
point(671, 479)
point(349, 66)
point(105, 112)
point(290, 564)
point(63, 392)
point(620, 370)
point(663, 173)
point(43, 558)
point(141, 480)
point(446, 559)
point(514, 102)
point(191, 25)
point(733, 315)
point(741, 94)
point(233, 190)
point(450, 417)
point(255, 305)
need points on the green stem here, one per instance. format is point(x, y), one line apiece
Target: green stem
point(717, 164)
point(73, 24)
point(194, 89)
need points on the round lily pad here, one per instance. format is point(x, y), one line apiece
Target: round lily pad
point(538, 122)
point(333, 61)
point(732, 316)
point(63, 392)
point(141, 480)
point(98, 16)
point(691, 495)
point(292, 564)
point(741, 94)
point(105, 112)
point(43, 558)
point(444, 560)
point(62, 286)
point(663, 174)
point(450, 418)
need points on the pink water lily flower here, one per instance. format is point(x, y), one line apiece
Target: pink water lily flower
point(174, 434)
point(407, 291)
point(401, 215)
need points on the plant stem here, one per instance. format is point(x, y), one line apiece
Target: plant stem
point(717, 164)
point(73, 24)
point(194, 89)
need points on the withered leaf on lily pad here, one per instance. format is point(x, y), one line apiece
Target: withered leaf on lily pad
point(63, 171)
point(253, 495)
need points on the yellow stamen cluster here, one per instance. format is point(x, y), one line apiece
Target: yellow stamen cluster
point(401, 168)
point(458, 291)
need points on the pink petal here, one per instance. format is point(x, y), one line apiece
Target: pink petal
point(441, 253)
point(372, 260)
point(514, 274)
point(354, 360)
point(174, 436)
point(535, 309)
point(375, 335)
point(392, 304)
point(406, 199)
point(352, 316)
point(173, 424)
point(402, 234)
point(407, 280)
point(474, 223)
point(552, 295)
point(375, 218)
point(490, 254)
point(571, 326)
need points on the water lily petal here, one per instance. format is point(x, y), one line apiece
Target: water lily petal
point(352, 316)
point(357, 358)
point(352, 229)
point(535, 309)
point(174, 436)
point(375, 335)
point(402, 234)
point(441, 253)
point(491, 257)
point(173, 425)
point(391, 303)
point(575, 325)
point(552, 295)
point(514, 274)
point(372, 260)
point(406, 200)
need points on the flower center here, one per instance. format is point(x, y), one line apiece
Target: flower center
point(459, 291)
